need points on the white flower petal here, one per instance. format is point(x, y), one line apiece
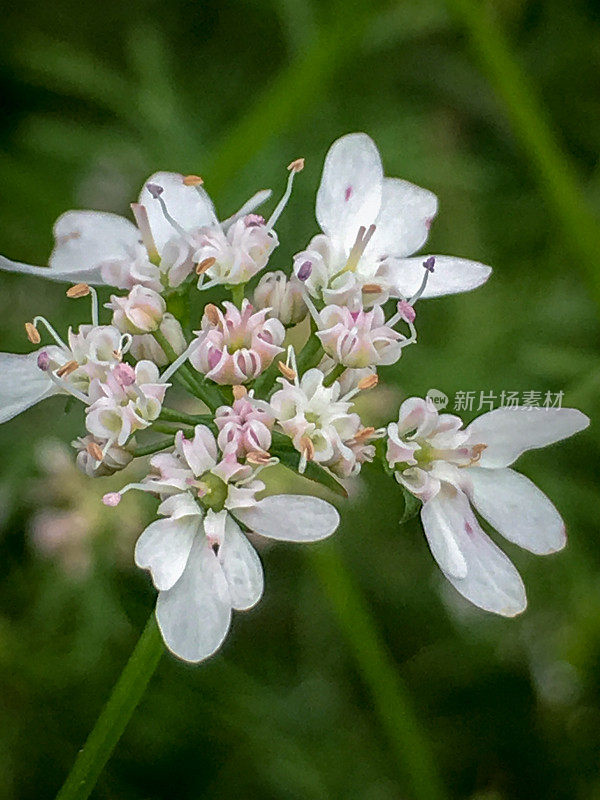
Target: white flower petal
point(517, 509)
point(491, 580)
point(84, 240)
point(291, 518)
point(508, 432)
point(190, 206)
point(241, 567)
point(351, 186)
point(194, 615)
point(404, 219)
point(92, 276)
point(450, 276)
point(164, 547)
point(22, 383)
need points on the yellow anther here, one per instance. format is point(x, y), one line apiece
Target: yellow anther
point(368, 382)
point(67, 369)
point(78, 290)
point(286, 371)
point(32, 333)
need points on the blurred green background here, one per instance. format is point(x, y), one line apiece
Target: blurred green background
point(99, 95)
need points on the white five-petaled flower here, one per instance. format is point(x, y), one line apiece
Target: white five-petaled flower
point(316, 418)
point(98, 247)
point(371, 224)
point(452, 469)
point(200, 561)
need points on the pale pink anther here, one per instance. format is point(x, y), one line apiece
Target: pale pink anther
point(111, 499)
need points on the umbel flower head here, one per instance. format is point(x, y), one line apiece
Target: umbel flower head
point(266, 388)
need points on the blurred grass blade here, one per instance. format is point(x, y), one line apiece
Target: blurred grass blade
point(555, 172)
point(380, 673)
point(115, 715)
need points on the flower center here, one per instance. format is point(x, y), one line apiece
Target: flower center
point(212, 491)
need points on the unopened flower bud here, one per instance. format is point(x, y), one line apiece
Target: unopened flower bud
point(141, 311)
point(282, 296)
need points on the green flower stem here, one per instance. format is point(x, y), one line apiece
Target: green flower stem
point(380, 673)
point(170, 415)
point(556, 174)
point(115, 715)
point(237, 293)
point(208, 394)
point(310, 355)
point(167, 427)
point(153, 447)
point(334, 375)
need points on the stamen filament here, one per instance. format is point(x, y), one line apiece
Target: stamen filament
point(141, 217)
point(172, 368)
point(294, 167)
point(66, 387)
point(51, 331)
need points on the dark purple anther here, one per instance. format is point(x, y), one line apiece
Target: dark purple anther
point(253, 220)
point(155, 190)
point(304, 271)
point(429, 264)
point(43, 361)
point(348, 193)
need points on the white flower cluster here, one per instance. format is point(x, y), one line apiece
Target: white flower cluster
point(351, 293)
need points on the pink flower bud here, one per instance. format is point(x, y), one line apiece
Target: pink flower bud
point(140, 312)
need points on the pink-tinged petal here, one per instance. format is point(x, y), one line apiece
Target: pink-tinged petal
point(351, 187)
point(88, 239)
point(291, 518)
point(241, 567)
point(194, 615)
point(490, 580)
point(508, 432)
point(164, 548)
point(22, 383)
point(190, 206)
point(517, 509)
point(404, 220)
point(450, 275)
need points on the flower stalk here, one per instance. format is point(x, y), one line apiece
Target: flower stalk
point(115, 715)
